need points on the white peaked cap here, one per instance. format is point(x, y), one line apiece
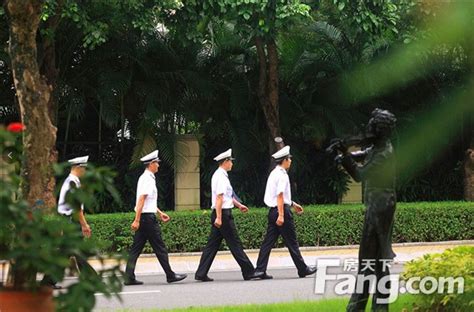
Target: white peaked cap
point(226, 154)
point(153, 156)
point(79, 161)
point(283, 153)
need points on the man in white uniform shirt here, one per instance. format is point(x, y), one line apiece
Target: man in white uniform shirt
point(280, 218)
point(222, 222)
point(146, 226)
point(78, 168)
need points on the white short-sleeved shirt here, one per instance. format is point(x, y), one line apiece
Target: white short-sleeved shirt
point(147, 186)
point(278, 182)
point(220, 184)
point(63, 207)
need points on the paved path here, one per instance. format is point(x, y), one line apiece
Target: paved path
point(229, 288)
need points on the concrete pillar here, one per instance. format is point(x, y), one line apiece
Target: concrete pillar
point(354, 194)
point(187, 175)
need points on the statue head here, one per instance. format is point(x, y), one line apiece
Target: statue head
point(381, 124)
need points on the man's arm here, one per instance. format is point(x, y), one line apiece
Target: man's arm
point(281, 210)
point(138, 212)
point(298, 208)
point(239, 205)
point(219, 202)
point(163, 216)
point(86, 230)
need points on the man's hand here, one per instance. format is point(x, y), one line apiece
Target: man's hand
point(86, 230)
point(280, 221)
point(135, 225)
point(164, 217)
point(218, 223)
point(244, 208)
point(298, 209)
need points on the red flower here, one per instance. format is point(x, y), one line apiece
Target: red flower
point(16, 127)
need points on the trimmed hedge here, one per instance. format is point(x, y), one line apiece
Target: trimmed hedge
point(456, 262)
point(328, 225)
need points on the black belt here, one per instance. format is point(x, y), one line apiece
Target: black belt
point(224, 211)
point(148, 215)
point(284, 206)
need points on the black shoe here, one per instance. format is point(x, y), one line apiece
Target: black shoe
point(176, 278)
point(254, 275)
point(52, 285)
point(203, 278)
point(132, 282)
point(263, 275)
point(309, 270)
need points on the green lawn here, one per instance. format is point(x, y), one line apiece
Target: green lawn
point(329, 305)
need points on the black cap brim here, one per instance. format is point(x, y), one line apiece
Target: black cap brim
point(150, 161)
point(284, 157)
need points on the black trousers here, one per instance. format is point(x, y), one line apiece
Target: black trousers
point(150, 231)
point(228, 232)
point(288, 232)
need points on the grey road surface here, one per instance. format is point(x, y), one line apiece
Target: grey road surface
point(228, 288)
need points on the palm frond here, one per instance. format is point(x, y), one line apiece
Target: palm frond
point(145, 142)
point(329, 31)
point(112, 86)
point(72, 102)
point(165, 144)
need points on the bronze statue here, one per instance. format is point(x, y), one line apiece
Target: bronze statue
point(377, 171)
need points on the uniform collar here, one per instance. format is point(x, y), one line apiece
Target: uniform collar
point(281, 169)
point(74, 177)
point(151, 174)
point(223, 170)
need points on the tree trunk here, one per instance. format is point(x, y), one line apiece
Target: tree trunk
point(267, 90)
point(47, 60)
point(33, 94)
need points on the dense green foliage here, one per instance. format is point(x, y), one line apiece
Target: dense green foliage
point(132, 76)
point(319, 226)
point(456, 263)
point(33, 241)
